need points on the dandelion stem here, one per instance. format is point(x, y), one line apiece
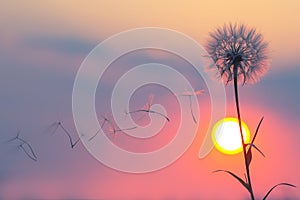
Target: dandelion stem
point(235, 76)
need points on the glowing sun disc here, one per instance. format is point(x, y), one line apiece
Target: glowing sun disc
point(226, 135)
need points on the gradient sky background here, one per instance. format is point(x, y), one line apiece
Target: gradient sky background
point(42, 44)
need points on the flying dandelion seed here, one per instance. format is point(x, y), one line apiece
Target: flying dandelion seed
point(25, 146)
point(146, 109)
point(114, 130)
point(189, 94)
point(238, 50)
point(59, 124)
point(104, 121)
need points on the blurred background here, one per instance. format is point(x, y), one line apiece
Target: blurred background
point(42, 45)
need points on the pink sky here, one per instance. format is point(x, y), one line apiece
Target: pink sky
point(42, 46)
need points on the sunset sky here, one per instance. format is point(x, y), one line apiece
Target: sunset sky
point(42, 45)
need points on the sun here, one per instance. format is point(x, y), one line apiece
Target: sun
point(226, 135)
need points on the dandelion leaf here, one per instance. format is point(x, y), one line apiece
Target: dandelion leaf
point(236, 177)
point(268, 193)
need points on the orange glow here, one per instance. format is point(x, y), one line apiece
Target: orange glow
point(38, 78)
point(277, 21)
point(226, 135)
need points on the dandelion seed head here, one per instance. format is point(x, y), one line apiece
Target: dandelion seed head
point(241, 46)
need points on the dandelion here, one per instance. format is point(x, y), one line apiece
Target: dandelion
point(240, 55)
point(238, 52)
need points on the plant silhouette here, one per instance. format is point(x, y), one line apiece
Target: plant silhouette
point(240, 56)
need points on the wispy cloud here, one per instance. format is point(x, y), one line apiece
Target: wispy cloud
point(60, 44)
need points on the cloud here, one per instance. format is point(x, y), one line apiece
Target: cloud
point(278, 91)
point(60, 44)
point(31, 98)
